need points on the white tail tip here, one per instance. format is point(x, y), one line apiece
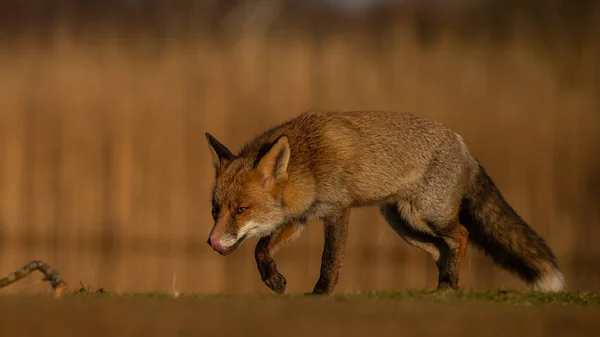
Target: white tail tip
point(552, 281)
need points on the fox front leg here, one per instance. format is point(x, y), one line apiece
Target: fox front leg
point(336, 234)
point(266, 249)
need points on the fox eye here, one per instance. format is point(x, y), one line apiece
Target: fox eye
point(215, 212)
point(240, 210)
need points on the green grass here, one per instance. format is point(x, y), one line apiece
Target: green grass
point(579, 299)
point(501, 296)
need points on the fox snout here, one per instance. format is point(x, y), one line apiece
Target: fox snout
point(218, 246)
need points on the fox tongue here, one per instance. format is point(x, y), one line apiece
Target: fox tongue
point(216, 245)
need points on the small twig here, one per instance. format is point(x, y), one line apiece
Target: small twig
point(50, 275)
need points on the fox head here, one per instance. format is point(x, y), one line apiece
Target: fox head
point(247, 198)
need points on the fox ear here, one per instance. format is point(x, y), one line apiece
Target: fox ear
point(274, 164)
point(220, 153)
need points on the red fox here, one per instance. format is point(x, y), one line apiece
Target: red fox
point(429, 188)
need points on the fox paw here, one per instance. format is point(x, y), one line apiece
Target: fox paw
point(276, 282)
point(316, 294)
point(320, 291)
point(447, 287)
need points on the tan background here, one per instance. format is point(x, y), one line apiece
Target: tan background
point(105, 173)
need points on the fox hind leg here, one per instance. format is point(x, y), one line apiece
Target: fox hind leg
point(420, 239)
point(266, 249)
point(446, 247)
point(456, 238)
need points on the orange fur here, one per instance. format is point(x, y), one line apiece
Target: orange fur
point(430, 189)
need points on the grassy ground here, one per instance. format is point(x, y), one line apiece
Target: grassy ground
point(413, 313)
point(574, 299)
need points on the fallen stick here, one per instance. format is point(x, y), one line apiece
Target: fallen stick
point(51, 275)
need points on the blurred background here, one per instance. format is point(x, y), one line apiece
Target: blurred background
point(106, 175)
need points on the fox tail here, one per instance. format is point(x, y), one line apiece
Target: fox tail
point(496, 228)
